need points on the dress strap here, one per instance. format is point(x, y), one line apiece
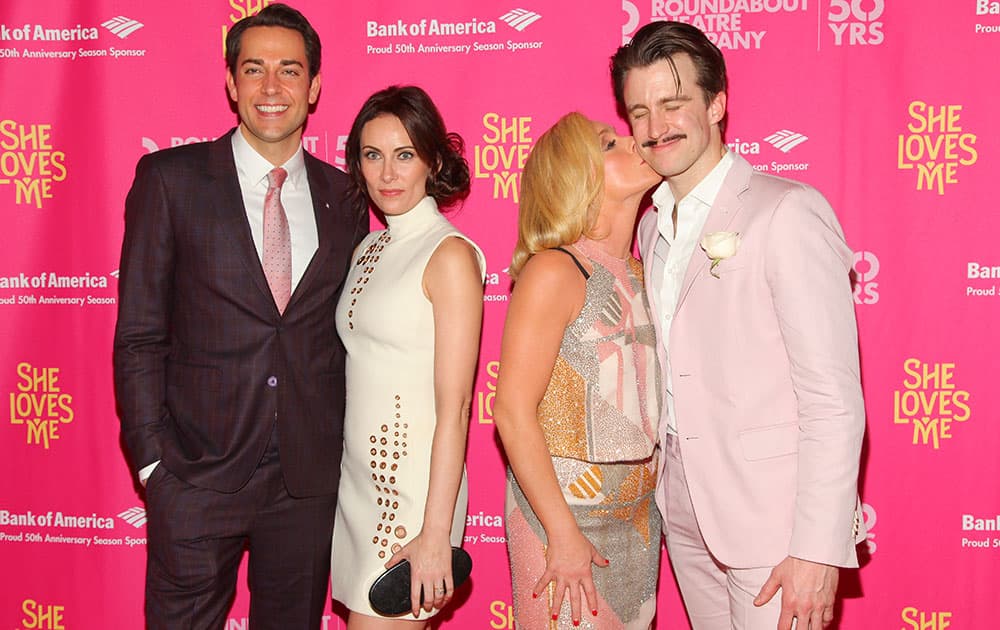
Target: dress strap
point(575, 262)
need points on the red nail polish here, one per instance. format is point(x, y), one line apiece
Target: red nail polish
point(534, 596)
point(594, 612)
point(555, 617)
point(576, 622)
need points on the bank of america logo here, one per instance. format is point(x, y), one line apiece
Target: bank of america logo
point(122, 26)
point(520, 19)
point(785, 140)
point(136, 517)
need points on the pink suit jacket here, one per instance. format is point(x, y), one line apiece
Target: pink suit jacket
point(766, 378)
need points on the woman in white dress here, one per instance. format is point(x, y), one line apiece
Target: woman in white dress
point(410, 317)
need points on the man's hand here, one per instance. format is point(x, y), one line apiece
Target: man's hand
point(808, 590)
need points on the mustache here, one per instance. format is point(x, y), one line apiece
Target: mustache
point(671, 138)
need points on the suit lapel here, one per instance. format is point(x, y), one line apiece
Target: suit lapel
point(654, 250)
point(647, 242)
point(726, 207)
point(323, 201)
point(229, 199)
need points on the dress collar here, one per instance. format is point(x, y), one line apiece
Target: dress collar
point(413, 220)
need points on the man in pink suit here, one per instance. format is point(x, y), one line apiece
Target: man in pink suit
point(763, 418)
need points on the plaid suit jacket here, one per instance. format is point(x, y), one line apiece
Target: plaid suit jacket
point(204, 364)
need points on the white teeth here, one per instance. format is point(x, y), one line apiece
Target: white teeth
point(272, 109)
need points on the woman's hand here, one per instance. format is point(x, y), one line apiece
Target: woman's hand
point(549, 294)
point(568, 561)
point(430, 570)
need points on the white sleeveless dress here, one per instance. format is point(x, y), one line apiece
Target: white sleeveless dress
point(387, 326)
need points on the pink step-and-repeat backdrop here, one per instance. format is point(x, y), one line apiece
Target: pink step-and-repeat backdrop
point(887, 106)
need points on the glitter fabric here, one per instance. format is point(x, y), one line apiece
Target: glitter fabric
point(621, 521)
point(563, 411)
point(387, 326)
point(599, 417)
point(602, 403)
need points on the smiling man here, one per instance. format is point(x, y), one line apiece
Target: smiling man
point(228, 369)
point(748, 281)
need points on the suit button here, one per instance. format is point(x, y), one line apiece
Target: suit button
point(272, 381)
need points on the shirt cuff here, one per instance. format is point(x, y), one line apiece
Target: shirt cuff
point(146, 471)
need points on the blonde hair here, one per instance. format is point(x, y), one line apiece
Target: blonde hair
point(561, 189)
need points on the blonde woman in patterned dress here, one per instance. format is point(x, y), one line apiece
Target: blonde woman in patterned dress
point(577, 394)
point(410, 317)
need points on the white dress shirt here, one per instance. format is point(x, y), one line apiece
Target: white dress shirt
point(252, 170)
point(692, 212)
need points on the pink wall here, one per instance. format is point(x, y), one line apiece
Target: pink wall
point(884, 106)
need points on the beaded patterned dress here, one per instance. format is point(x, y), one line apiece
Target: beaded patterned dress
point(387, 326)
point(599, 417)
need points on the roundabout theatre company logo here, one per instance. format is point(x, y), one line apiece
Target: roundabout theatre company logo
point(723, 20)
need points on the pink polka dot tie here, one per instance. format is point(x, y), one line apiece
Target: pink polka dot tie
point(277, 241)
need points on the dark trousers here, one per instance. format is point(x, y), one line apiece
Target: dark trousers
point(196, 539)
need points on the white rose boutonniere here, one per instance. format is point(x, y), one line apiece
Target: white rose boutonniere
point(720, 246)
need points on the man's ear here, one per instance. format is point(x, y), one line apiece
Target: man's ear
point(717, 108)
point(231, 86)
point(314, 87)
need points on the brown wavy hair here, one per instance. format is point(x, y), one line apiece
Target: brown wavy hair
point(449, 181)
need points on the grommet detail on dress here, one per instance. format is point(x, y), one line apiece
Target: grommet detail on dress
point(366, 272)
point(388, 511)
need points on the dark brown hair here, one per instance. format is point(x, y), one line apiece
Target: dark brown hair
point(661, 41)
point(277, 14)
point(448, 181)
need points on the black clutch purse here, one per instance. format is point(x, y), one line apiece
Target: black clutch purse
point(390, 594)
